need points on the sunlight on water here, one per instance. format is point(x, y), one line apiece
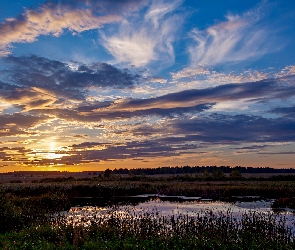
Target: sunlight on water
point(160, 208)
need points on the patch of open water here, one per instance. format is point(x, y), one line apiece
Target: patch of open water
point(160, 207)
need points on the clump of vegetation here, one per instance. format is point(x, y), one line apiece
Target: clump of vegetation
point(235, 175)
point(21, 212)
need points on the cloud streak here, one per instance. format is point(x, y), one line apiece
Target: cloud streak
point(237, 39)
point(140, 41)
point(182, 103)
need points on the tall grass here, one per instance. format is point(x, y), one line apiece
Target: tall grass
point(148, 230)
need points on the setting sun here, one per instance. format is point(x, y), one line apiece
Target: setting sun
point(52, 146)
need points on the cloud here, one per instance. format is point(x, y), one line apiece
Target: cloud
point(183, 136)
point(268, 89)
point(287, 71)
point(14, 154)
point(251, 149)
point(18, 124)
point(35, 71)
point(25, 98)
point(88, 152)
point(180, 103)
point(278, 153)
point(243, 128)
point(204, 78)
point(104, 6)
point(175, 134)
point(140, 41)
point(53, 18)
point(237, 39)
point(158, 79)
point(38, 82)
point(190, 72)
point(93, 115)
point(222, 129)
point(288, 111)
point(21, 121)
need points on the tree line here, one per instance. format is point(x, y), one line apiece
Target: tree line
point(198, 169)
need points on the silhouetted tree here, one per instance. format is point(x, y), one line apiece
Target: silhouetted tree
point(235, 174)
point(206, 175)
point(218, 174)
point(107, 173)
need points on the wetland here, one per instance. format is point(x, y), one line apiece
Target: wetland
point(153, 213)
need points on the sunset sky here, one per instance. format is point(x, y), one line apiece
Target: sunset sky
point(96, 84)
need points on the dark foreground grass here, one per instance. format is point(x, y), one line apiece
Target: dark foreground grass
point(207, 230)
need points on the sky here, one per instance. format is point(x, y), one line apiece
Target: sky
point(95, 84)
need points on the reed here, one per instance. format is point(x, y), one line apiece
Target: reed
point(147, 230)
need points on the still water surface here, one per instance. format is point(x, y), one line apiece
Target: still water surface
point(159, 207)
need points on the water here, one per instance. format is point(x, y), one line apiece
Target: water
point(160, 207)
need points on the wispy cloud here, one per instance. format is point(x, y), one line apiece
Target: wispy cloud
point(236, 39)
point(139, 41)
point(54, 18)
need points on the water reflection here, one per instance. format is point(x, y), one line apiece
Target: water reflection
point(194, 207)
point(159, 207)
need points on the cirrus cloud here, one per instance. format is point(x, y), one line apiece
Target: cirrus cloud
point(139, 41)
point(237, 39)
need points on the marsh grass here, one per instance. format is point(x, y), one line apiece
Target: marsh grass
point(128, 229)
point(148, 230)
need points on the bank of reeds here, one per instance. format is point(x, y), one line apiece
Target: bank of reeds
point(148, 230)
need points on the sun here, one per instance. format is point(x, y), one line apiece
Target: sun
point(48, 150)
point(53, 151)
point(52, 146)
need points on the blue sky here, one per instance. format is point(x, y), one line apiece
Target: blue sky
point(90, 85)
